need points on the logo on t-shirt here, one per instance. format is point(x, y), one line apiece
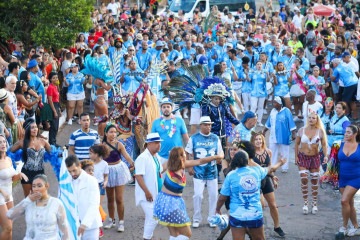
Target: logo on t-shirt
point(248, 182)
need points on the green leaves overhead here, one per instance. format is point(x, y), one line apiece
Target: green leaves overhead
point(51, 23)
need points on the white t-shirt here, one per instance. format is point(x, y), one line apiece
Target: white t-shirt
point(306, 109)
point(100, 169)
point(297, 21)
point(113, 7)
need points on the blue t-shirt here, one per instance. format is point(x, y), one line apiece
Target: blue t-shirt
point(36, 84)
point(188, 53)
point(75, 83)
point(201, 146)
point(242, 185)
point(258, 84)
point(346, 74)
point(241, 132)
point(144, 59)
point(282, 88)
point(164, 128)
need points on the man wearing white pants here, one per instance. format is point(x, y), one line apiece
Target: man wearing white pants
point(148, 181)
point(282, 130)
point(200, 145)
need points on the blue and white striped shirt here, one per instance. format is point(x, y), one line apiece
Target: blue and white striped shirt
point(82, 141)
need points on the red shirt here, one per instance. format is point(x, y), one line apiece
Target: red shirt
point(92, 40)
point(52, 91)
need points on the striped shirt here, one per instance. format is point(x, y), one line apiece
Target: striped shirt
point(82, 141)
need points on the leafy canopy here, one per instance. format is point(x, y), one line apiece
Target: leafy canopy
point(51, 23)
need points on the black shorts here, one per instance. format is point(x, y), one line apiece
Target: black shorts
point(235, 223)
point(349, 93)
point(30, 174)
point(266, 185)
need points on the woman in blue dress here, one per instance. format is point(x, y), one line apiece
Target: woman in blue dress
point(258, 79)
point(281, 83)
point(349, 179)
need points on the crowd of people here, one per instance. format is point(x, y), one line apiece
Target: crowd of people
point(286, 74)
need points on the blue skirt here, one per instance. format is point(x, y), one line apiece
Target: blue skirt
point(170, 210)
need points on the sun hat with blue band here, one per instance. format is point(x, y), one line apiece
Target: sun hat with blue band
point(153, 137)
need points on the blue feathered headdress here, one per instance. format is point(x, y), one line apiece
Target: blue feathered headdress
point(98, 67)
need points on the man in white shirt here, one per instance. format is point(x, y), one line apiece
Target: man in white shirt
point(297, 19)
point(148, 181)
point(87, 193)
point(114, 7)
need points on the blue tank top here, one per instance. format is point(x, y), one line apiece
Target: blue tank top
point(349, 165)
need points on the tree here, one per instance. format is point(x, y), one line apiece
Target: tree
point(51, 23)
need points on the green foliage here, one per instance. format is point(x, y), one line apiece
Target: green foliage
point(51, 23)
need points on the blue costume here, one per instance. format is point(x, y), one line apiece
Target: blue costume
point(338, 126)
point(217, 115)
point(282, 88)
point(258, 84)
point(241, 132)
point(349, 174)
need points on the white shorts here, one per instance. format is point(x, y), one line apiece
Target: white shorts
point(75, 97)
point(195, 116)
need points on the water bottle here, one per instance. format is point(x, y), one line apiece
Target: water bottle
point(221, 221)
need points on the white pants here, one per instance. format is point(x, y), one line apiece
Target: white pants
point(278, 151)
point(150, 222)
point(91, 234)
point(257, 105)
point(199, 185)
point(246, 101)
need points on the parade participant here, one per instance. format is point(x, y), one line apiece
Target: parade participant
point(281, 83)
point(288, 58)
point(263, 158)
point(309, 139)
point(258, 79)
point(148, 181)
point(246, 85)
point(172, 130)
point(169, 207)
point(245, 206)
point(86, 190)
point(33, 150)
point(45, 216)
point(346, 76)
point(317, 83)
point(116, 53)
point(297, 90)
point(119, 175)
point(75, 94)
point(282, 129)
point(245, 127)
point(8, 175)
point(338, 123)
point(204, 144)
point(82, 139)
point(349, 179)
point(310, 105)
point(131, 78)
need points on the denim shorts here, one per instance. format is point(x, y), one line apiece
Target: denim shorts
point(235, 223)
point(102, 189)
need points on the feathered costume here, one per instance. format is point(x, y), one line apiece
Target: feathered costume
point(194, 87)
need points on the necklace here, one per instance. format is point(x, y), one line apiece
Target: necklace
point(170, 130)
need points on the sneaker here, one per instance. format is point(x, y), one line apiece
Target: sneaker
point(265, 112)
point(341, 234)
point(260, 124)
point(70, 121)
point(296, 119)
point(314, 210)
point(131, 183)
point(279, 231)
point(284, 170)
point(196, 224)
point(121, 227)
point(353, 232)
point(110, 223)
point(101, 233)
point(305, 210)
point(212, 225)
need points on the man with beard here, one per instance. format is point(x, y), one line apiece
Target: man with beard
point(86, 191)
point(172, 130)
point(116, 54)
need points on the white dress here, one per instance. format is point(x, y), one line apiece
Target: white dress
point(42, 222)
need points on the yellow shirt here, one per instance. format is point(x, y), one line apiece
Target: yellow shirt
point(294, 45)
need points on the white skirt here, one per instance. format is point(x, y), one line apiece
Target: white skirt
point(119, 175)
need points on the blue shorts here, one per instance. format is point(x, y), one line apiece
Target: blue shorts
point(102, 189)
point(235, 223)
